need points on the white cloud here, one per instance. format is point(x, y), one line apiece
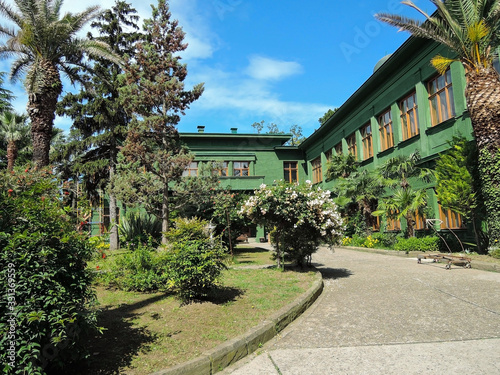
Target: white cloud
point(264, 68)
point(252, 99)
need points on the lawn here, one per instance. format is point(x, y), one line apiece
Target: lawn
point(148, 332)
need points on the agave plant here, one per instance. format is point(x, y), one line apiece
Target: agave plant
point(136, 228)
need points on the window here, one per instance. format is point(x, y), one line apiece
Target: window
point(393, 224)
point(328, 155)
point(420, 222)
point(450, 219)
point(191, 169)
point(386, 135)
point(241, 168)
point(376, 224)
point(338, 148)
point(441, 98)
point(366, 136)
point(409, 116)
point(221, 168)
point(316, 169)
point(351, 145)
point(291, 171)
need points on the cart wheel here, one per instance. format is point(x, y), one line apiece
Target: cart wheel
point(468, 265)
point(419, 260)
point(448, 266)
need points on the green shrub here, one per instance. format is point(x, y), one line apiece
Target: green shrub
point(495, 252)
point(136, 228)
point(357, 241)
point(142, 270)
point(386, 240)
point(195, 261)
point(44, 274)
point(417, 244)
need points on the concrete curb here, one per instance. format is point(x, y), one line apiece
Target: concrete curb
point(231, 351)
point(476, 264)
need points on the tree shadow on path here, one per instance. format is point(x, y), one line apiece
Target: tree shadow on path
point(333, 273)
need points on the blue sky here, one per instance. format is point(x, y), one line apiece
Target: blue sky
point(285, 62)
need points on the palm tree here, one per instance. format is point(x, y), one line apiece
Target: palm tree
point(44, 46)
point(404, 202)
point(364, 188)
point(471, 29)
point(13, 128)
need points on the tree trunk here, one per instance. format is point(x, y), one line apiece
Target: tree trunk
point(409, 226)
point(41, 110)
point(165, 213)
point(11, 155)
point(113, 215)
point(483, 101)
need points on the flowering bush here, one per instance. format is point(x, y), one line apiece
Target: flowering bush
point(48, 296)
point(370, 242)
point(303, 216)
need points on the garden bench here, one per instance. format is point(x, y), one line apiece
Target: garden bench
point(457, 260)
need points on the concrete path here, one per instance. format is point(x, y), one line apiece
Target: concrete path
point(382, 314)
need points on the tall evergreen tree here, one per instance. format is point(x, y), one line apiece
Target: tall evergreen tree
point(99, 120)
point(155, 95)
point(457, 185)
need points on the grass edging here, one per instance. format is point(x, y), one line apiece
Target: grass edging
point(476, 264)
point(231, 351)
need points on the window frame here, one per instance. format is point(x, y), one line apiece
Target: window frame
point(385, 142)
point(352, 147)
point(393, 225)
point(438, 117)
point(241, 169)
point(367, 140)
point(223, 171)
point(317, 172)
point(190, 169)
point(449, 216)
point(288, 168)
point(338, 148)
point(406, 116)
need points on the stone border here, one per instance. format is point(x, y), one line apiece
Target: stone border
point(233, 350)
point(476, 264)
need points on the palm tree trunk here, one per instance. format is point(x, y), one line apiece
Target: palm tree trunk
point(11, 155)
point(483, 100)
point(41, 110)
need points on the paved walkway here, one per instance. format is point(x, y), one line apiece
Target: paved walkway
point(382, 314)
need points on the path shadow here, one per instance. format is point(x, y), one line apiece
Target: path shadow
point(118, 344)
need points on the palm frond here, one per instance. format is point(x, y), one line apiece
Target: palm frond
point(441, 63)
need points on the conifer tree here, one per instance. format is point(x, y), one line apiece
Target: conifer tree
point(99, 120)
point(155, 96)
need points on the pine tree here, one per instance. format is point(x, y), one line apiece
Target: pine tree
point(155, 95)
point(99, 120)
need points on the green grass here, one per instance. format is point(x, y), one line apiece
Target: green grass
point(247, 255)
point(147, 332)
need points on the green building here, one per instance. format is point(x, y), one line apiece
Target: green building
point(404, 106)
